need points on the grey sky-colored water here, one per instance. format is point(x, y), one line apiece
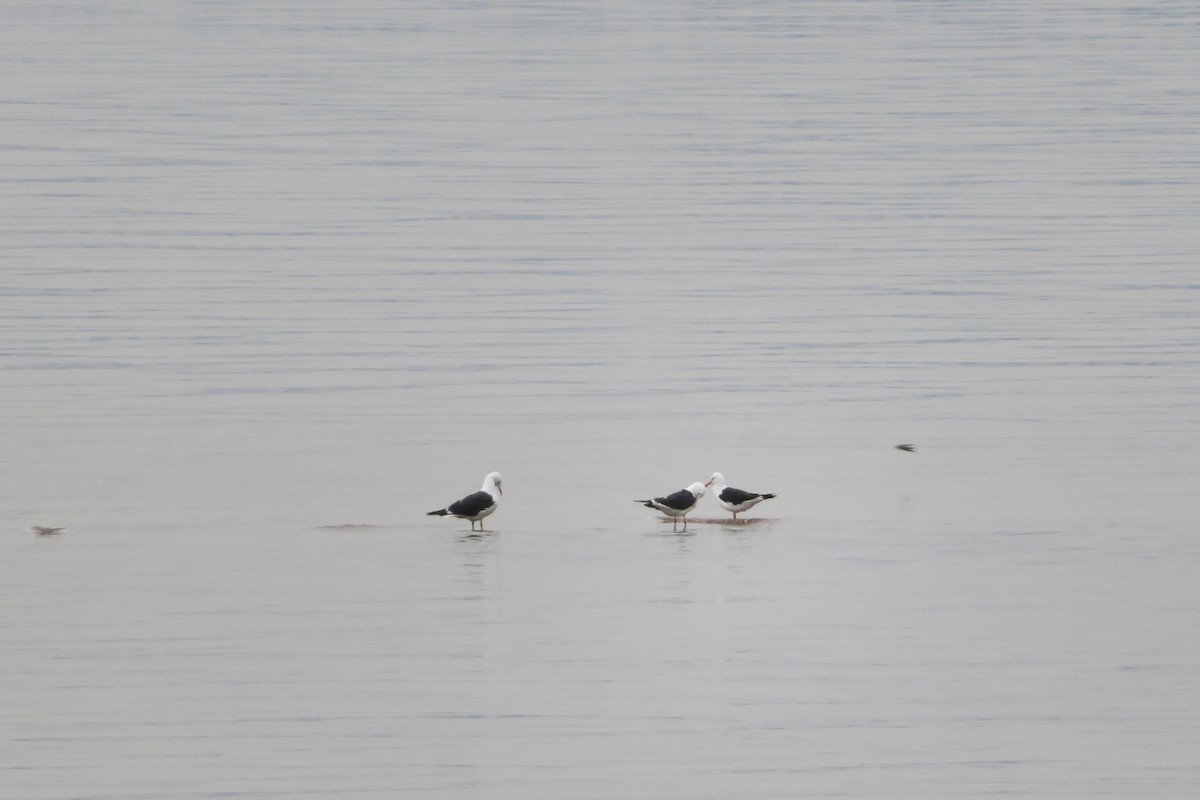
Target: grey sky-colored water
point(271, 270)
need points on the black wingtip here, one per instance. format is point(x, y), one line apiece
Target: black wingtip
point(441, 512)
point(908, 448)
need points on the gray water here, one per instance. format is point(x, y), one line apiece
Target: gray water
point(278, 278)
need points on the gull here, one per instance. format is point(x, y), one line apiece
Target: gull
point(476, 506)
point(734, 500)
point(677, 504)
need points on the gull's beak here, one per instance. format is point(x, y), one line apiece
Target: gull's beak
point(498, 489)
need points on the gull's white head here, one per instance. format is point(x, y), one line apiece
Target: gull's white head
point(493, 480)
point(716, 478)
point(697, 489)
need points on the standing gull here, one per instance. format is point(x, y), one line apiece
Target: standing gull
point(475, 507)
point(677, 504)
point(734, 500)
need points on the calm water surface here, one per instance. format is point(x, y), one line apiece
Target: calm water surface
point(279, 279)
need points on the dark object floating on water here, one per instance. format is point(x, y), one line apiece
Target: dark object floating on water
point(735, 500)
point(42, 530)
point(475, 507)
point(908, 448)
point(677, 504)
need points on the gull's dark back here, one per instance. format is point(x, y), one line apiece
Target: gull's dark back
point(472, 504)
point(731, 495)
point(678, 500)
